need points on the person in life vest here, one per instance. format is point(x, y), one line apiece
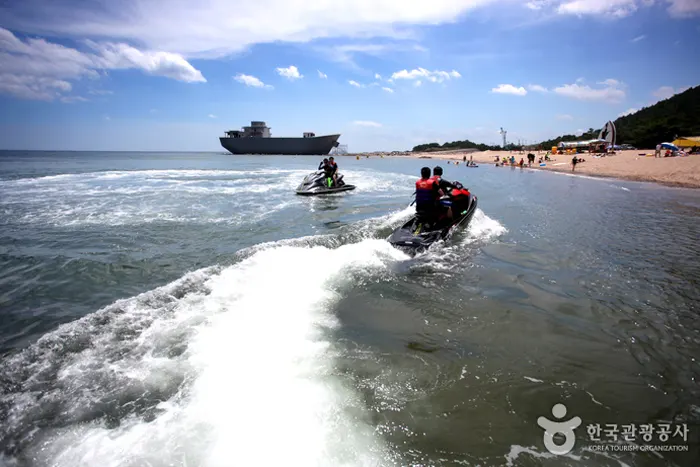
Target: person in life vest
point(332, 170)
point(427, 195)
point(444, 188)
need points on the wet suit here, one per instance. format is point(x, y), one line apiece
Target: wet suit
point(331, 171)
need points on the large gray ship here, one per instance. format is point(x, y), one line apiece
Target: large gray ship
point(256, 139)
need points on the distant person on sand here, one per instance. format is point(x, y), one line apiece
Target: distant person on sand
point(530, 159)
point(464, 159)
point(522, 162)
point(574, 161)
point(657, 153)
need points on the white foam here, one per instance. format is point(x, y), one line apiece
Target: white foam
point(516, 450)
point(139, 197)
point(482, 227)
point(142, 196)
point(260, 364)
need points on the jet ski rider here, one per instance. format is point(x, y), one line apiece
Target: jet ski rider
point(444, 186)
point(333, 170)
point(427, 195)
point(328, 168)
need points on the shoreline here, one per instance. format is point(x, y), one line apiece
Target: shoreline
point(628, 165)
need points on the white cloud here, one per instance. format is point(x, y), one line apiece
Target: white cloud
point(251, 81)
point(389, 90)
point(212, 116)
point(628, 112)
point(216, 28)
point(623, 8)
point(536, 4)
point(616, 8)
point(683, 8)
point(665, 92)
point(100, 92)
point(638, 38)
point(367, 123)
point(377, 76)
point(509, 89)
point(33, 87)
point(418, 83)
point(291, 73)
point(435, 76)
point(564, 117)
point(38, 69)
point(537, 88)
point(322, 75)
point(71, 99)
point(170, 65)
point(355, 83)
point(345, 53)
point(612, 91)
point(610, 83)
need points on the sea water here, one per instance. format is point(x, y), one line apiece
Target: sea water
point(188, 309)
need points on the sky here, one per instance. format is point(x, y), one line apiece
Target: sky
point(156, 75)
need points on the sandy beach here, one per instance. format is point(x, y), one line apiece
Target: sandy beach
point(627, 165)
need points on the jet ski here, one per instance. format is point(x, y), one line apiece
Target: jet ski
point(419, 233)
point(316, 183)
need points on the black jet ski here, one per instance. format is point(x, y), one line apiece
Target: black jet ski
point(316, 183)
point(419, 233)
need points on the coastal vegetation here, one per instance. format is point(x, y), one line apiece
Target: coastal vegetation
point(466, 144)
point(662, 122)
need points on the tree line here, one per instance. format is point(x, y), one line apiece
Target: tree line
point(662, 122)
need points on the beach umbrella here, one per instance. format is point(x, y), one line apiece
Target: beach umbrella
point(670, 146)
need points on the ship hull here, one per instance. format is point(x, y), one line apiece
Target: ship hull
point(315, 146)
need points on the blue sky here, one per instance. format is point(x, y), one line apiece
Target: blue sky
point(386, 74)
